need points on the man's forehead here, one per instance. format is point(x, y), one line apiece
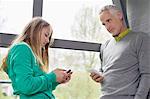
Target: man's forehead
point(105, 14)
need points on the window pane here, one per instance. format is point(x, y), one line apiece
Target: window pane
point(3, 75)
point(76, 19)
point(14, 14)
point(6, 90)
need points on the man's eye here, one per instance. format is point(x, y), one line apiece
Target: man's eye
point(108, 20)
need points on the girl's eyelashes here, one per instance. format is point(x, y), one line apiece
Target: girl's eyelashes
point(46, 34)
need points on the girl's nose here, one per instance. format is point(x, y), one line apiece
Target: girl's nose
point(47, 40)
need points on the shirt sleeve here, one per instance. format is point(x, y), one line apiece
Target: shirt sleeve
point(144, 67)
point(25, 82)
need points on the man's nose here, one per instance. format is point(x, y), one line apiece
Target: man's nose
point(107, 26)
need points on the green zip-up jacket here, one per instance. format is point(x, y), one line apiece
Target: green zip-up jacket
point(28, 80)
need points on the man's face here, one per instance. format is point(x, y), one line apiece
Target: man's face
point(112, 22)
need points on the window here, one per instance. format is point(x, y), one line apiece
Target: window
point(14, 14)
point(76, 19)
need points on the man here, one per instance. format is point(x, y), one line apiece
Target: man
point(125, 69)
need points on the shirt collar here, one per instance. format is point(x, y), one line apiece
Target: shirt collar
point(122, 35)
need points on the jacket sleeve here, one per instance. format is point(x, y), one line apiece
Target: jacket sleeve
point(54, 85)
point(24, 81)
point(144, 67)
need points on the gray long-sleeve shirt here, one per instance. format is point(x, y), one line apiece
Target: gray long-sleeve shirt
point(126, 67)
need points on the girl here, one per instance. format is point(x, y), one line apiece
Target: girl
point(27, 63)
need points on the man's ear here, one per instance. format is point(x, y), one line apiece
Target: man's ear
point(120, 15)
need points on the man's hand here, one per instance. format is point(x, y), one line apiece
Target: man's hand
point(96, 76)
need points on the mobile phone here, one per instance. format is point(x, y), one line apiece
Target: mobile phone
point(94, 71)
point(68, 71)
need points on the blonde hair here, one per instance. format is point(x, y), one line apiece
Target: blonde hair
point(32, 36)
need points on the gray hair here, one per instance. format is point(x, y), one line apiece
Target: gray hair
point(108, 8)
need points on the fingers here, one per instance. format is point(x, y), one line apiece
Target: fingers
point(60, 69)
point(67, 77)
point(99, 79)
point(63, 76)
point(96, 77)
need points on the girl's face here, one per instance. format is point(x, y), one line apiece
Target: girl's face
point(45, 35)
